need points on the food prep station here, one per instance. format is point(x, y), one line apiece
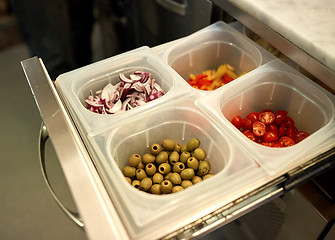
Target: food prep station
point(93, 148)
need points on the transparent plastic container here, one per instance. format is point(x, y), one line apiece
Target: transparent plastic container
point(239, 164)
point(211, 47)
point(277, 87)
point(75, 86)
point(179, 120)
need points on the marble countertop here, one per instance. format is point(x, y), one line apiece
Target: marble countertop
point(310, 25)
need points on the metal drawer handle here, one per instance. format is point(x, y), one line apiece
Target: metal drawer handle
point(43, 137)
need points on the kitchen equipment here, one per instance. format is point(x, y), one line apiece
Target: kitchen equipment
point(93, 147)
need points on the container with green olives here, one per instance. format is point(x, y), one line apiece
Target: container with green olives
point(168, 167)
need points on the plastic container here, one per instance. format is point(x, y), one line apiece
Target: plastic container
point(211, 47)
point(179, 120)
point(277, 87)
point(240, 165)
point(75, 86)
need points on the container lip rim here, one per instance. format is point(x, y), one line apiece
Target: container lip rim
point(205, 32)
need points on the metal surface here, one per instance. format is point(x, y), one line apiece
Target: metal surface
point(230, 212)
point(257, 198)
point(98, 214)
point(302, 58)
point(43, 137)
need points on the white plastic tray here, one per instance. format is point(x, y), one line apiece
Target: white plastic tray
point(184, 112)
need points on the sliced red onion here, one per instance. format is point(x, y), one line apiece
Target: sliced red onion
point(124, 78)
point(157, 87)
point(135, 77)
point(138, 86)
point(107, 91)
point(133, 91)
point(93, 104)
point(117, 107)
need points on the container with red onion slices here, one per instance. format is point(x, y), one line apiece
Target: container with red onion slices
point(132, 91)
point(106, 93)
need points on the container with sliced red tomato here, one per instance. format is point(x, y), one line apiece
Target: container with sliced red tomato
point(268, 128)
point(281, 117)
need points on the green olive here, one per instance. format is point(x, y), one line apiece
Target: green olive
point(129, 171)
point(174, 157)
point(167, 176)
point(140, 174)
point(128, 179)
point(184, 156)
point(193, 163)
point(168, 144)
point(183, 148)
point(199, 154)
point(140, 165)
point(204, 168)
point(192, 144)
point(164, 168)
point(134, 160)
point(187, 174)
point(156, 189)
point(196, 179)
point(178, 167)
point(150, 169)
point(136, 183)
point(166, 186)
point(148, 158)
point(155, 149)
point(175, 179)
point(157, 178)
point(186, 183)
point(145, 184)
point(207, 176)
point(162, 157)
point(177, 148)
point(177, 189)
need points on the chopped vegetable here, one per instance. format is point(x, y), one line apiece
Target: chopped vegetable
point(213, 79)
point(133, 91)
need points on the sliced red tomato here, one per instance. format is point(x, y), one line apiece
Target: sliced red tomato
point(270, 136)
point(290, 131)
point(298, 136)
point(252, 136)
point(288, 122)
point(237, 121)
point(278, 145)
point(246, 131)
point(254, 116)
point(247, 124)
point(281, 130)
point(272, 127)
point(286, 141)
point(266, 117)
point(258, 128)
point(280, 115)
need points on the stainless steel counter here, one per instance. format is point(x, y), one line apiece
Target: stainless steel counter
point(280, 29)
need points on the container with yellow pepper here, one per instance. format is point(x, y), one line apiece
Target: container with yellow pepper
point(212, 79)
